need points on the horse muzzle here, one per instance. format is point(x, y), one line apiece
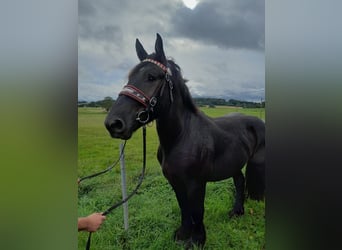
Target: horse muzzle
point(117, 128)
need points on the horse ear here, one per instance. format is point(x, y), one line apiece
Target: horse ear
point(160, 50)
point(141, 52)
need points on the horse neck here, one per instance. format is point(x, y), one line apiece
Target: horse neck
point(174, 117)
point(172, 123)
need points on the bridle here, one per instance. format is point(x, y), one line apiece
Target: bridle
point(149, 103)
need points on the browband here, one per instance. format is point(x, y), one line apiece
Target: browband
point(160, 65)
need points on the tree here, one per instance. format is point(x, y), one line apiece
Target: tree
point(107, 103)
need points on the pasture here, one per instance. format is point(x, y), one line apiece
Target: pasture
point(154, 212)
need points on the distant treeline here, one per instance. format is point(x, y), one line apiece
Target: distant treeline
point(212, 102)
point(107, 102)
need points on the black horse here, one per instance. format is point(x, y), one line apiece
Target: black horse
point(194, 148)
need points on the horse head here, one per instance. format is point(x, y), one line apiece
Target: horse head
point(145, 94)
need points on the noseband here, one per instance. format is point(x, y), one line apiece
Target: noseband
point(149, 103)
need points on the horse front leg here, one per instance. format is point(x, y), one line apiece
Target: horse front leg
point(190, 197)
point(183, 233)
point(196, 194)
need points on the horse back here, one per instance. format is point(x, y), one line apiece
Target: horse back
point(246, 128)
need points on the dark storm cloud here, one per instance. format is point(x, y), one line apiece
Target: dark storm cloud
point(219, 44)
point(224, 23)
point(228, 24)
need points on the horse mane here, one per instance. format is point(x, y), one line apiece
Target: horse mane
point(179, 81)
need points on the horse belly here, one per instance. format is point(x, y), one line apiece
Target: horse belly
point(224, 169)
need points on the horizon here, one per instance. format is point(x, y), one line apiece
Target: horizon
point(201, 97)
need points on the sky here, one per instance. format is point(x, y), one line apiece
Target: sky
point(219, 45)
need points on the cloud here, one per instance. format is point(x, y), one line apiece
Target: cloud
point(219, 44)
point(214, 71)
point(228, 24)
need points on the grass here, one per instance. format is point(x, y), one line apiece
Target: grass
point(154, 212)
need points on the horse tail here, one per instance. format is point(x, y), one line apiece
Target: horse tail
point(255, 170)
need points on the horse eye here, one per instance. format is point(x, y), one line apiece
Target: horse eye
point(151, 77)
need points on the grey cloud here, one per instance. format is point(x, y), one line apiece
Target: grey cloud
point(92, 20)
point(110, 33)
point(86, 8)
point(107, 32)
point(228, 24)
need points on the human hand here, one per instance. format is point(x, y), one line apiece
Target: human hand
point(91, 223)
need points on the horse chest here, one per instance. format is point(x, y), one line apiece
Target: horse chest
point(179, 166)
point(173, 167)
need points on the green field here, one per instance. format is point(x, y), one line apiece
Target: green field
point(154, 212)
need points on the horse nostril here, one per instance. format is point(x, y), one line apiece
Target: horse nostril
point(117, 125)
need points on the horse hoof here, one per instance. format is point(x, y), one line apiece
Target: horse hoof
point(192, 243)
point(236, 212)
point(182, 235)
point(198, 241)
point(187, 244)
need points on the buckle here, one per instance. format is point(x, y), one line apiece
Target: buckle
point(143, 116)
